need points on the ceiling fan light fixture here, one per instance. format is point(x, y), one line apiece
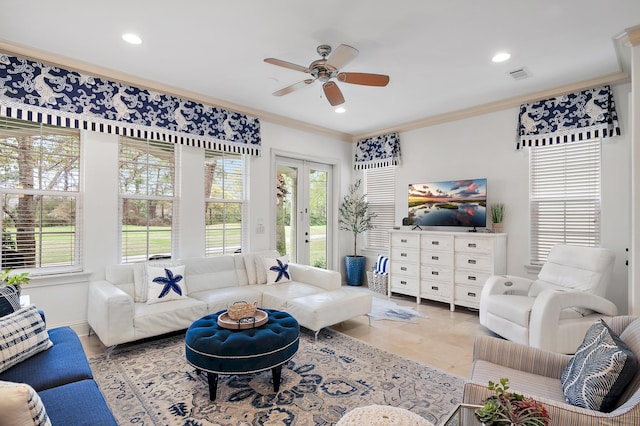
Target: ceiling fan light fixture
point(501, 57)
point(131, 38)
point(340, 110)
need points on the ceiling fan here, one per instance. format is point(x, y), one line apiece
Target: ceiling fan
point(328, 68)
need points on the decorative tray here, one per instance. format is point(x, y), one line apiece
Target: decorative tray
point(260, 318)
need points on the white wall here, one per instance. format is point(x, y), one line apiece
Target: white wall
point(484, 147)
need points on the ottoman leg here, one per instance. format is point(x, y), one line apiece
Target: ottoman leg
point(276, 373)
point(212, 378)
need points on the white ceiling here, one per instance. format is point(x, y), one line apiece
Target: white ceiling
point(437, 53)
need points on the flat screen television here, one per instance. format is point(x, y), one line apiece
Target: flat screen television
point(449, 203)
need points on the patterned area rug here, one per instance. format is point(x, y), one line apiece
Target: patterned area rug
point(150, 383)
point(385, 309)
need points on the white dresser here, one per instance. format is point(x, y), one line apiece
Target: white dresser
point(449, 267)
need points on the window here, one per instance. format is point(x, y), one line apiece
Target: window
point(40, 170)
point(381, 194)
point(564, 196)
point(225, 203)
point(147, 177)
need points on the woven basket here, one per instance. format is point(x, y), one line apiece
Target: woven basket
point(377, 282)
point(242, 310)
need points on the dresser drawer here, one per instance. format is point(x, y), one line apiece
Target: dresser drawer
point(404, 285)
point(467, 296)
point(401, 254)
point(437, 258)
point(405, 240)
point(474, 245)
point(400, 268)
point(472, 278)
point(431, 272)
point(473, 262)
point(437, 242)
point(430, 289)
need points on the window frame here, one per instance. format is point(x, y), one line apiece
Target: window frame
point(123, 257)
point(565, 208)
point(75, 264)
point(381, 196)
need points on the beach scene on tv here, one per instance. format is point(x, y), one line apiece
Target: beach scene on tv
point(449, 203)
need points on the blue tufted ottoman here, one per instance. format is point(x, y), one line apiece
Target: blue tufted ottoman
point(217, 350)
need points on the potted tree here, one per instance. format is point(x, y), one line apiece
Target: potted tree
point(356, 218)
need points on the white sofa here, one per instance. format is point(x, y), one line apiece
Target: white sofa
point(118, 313)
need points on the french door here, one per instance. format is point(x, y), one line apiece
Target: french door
point(303, 211)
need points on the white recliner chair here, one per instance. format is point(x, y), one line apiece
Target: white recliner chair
point(554, 311)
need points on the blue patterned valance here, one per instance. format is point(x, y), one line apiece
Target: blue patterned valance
point(48, 94)
point(379, 151)
point(578, 116)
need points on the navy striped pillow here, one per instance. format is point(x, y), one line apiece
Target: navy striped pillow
point(22, 335)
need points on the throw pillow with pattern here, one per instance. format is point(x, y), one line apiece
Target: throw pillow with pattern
point(277, 269)
point(21, 405)
point(165, 284)
point(600, 370)
point(22, 335)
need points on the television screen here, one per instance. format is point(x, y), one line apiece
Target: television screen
point(449, 203)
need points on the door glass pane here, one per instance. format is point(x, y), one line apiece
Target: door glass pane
point(318, 217)
point(286, 209)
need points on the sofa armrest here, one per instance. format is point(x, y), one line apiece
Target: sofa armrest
point(519, 357)
point(501, 284)
point(110, 313)
point(323, 278)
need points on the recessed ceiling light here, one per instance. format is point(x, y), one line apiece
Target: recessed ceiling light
point(340, 110)
point(131, 38)
point(501, 57)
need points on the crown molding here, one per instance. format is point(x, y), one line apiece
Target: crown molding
point(114, 75)
point(633, 35)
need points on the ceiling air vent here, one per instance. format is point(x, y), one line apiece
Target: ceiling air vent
point(519, 74)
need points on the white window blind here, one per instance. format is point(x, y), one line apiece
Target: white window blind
point(225, 203)
point(381, 195)
point(40, 170)
point(147, 179)
point(564, 196)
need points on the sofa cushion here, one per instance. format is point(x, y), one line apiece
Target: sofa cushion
point(277, 269)
point(276, 296)
point(79, 404)
point(165, 284)
point(160, 318)
point(63, 363)
point(219, 299)
point(20, 405)
point(208, 273)
point(600, 370)
point(22, 335)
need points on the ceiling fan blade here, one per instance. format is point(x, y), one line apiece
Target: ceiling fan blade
point(341, 56)
point(286, 64)
point(293, 87)
point(333, 93)
point(364, 78)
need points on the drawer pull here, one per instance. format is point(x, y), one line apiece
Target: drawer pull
point(471, 245)
point(471, 294)
point(403, 282)
point(435, 243)
point(471, 278)
point(403, 268)
point(403, 241)
point(471, 261)
point(435, 258)
point(435, 273)
point(433, 287)
point(403, 254)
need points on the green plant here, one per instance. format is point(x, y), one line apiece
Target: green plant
point(511, 409)
point(355, 216)
point(17, 279)
point(497, 212)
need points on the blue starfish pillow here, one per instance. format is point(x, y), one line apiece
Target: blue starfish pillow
point(165, 284)
point(277, 269)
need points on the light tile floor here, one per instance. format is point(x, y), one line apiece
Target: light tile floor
point(443, 340)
